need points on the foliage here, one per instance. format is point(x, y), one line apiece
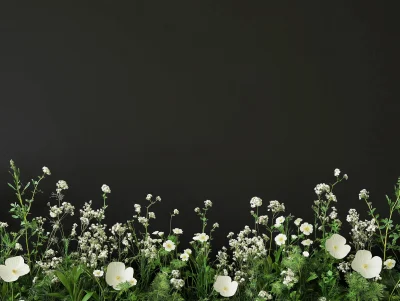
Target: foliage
point(280, 257)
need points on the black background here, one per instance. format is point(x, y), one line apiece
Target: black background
point(199, 100)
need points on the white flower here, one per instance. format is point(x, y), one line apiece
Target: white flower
point(13, 269)
point(184, 256)
point(61, 185)
point(177, 231)
point(225, 286)
point(207, 203)
point(345, 176)
point(169, 246)
point(176, 211)
point(306, 254)
point(336, 246)
point(279, 221)
point(366, 265)
point(337, 172)
point(255, 202)
point(148, 197)
point(293, 236)
point(364, 194)
point(132, 281)
point(298, 221)
point(307, 242)
point(98, 273)
point(202, 237)
point(188, 251)
point(18, 246)
point(280, 239)
point(389, 264)
point(105, 188)
point(306, 228)
point(46, 170)
point(117, 274)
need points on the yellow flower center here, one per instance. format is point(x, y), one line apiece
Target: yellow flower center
point(225, 288)
point(14, 271)
point(365, 266)
point(335, 247)
point(118, 278)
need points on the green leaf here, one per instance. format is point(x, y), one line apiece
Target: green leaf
point(11, 186)
point(64, 281)
point(312, 277)
point(87, 296)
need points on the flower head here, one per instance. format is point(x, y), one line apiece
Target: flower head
point(255, 202)
point(46, 170)
point(336, 246)
point(117, 274)
point(306, 228)
point(98, 273)
point(280, 239)
point(202, 237)
point(105, 188)
point(225, 286)
point(184, 256)
point(13, 268)
point(169, 245)
point(366, 265)
point(389, 264)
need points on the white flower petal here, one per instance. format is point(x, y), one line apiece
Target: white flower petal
point(6, 274)
point(14, 262)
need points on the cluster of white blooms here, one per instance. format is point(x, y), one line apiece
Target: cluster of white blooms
point(105, 188)
point(247, 245)
point(262, 220)
point(49, 261)
point(321, 188)
point(151, 215)
point(92, 245)
point(185, 255)
point(255, 202)
point(137, 208)
point(322, 299)
point(276, 206)
point(18, 247)
point(289, 277)
point(364, 194)
point(46, 170)
point(333, 215)
point(87, 213)
point(148, 247)
point(61, 185)
point(177, 283)
point(362, 231)
point(60, 211)
point(3, 225)
point(208, 204)
point(331, 197)
point(176, 212)
point(265, 295)
point(344, 267)
point(336, 172)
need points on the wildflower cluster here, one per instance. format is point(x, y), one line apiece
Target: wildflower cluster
point(278, 257)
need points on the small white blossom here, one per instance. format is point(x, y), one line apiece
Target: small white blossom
point(105, 188)
point(98, 273)
point(280, 239)
point(46, 170)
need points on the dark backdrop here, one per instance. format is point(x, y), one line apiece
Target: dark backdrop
point(199, 100)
